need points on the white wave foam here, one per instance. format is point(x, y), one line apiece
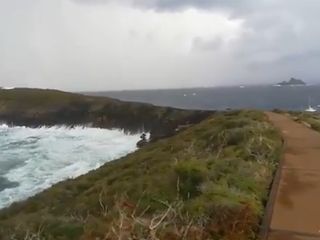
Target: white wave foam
point(3, 126)
point(8, 88)
point(38, 158)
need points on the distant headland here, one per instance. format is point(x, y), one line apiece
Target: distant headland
point(292, 82)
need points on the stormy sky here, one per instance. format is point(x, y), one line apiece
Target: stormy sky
point(138, 44)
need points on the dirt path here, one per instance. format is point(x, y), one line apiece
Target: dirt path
point(296, 208)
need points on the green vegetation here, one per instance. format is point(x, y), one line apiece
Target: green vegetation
point(311, 120)
point(210, 181)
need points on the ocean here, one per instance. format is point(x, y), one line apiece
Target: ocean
point(253, 97)
point(33, 159)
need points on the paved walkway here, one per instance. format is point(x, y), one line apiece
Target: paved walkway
point(296, 208)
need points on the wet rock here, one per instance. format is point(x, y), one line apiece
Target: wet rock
point(143, 141)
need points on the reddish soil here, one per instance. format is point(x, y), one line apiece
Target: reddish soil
point(296, 208)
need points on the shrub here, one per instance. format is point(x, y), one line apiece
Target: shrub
point(236, 136)
point(65, 230)
point(315, 124)
point(191, 174)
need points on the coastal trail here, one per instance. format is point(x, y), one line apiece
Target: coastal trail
point(295, 197)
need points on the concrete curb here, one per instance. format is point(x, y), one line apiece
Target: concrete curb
point(266, 221)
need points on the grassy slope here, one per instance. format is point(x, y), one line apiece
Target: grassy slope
point(208, 182)
point(311, 120)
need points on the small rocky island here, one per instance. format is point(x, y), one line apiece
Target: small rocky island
point(292, 82)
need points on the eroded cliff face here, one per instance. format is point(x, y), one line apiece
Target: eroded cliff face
point(35, 107)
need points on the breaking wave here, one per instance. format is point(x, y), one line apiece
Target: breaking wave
point(33, 159)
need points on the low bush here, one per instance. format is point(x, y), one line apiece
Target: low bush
point(190, 174)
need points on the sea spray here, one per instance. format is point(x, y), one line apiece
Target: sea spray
point(33, 159)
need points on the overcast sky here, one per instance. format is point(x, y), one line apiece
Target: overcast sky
point(137, 44)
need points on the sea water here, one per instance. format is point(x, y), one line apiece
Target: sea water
point(33, 159)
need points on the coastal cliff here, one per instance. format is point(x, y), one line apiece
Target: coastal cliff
point(37, 107)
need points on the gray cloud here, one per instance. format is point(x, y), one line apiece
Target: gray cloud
point(112, 44)
point(244, 5)
point(178, 4)
point(173, 5)
point(198, 44)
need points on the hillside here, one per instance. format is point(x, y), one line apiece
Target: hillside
point(34, 107)
point(210, 181)
point(311, 120)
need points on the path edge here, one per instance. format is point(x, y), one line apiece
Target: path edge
point(274, 186)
